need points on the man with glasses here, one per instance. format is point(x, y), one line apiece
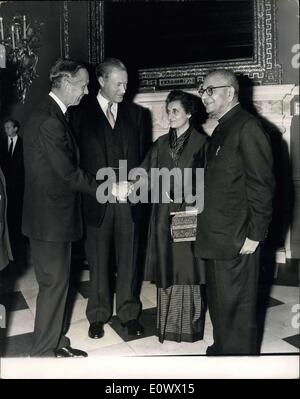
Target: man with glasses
point(238, 194)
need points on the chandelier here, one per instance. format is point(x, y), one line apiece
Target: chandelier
point(19, 42)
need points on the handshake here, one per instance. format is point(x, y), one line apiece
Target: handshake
point(122, 190)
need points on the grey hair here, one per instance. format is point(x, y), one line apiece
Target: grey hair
point(106, 66)
point(229, 77)
point(63, 68)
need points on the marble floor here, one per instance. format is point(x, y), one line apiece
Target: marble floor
point(280, 337)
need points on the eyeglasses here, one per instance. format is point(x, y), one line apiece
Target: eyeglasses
point(209, 90)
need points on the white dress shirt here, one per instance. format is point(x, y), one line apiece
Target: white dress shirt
point(58, 102)
point(15, 138)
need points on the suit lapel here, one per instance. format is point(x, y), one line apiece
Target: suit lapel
point(74, 143)
point(60, 116)
point(18, 146)
point(121, 123)
point(14, 154)
point(99, 119)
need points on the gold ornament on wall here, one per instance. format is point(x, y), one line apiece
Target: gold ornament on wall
point(19, 44)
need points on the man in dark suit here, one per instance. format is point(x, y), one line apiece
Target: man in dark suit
point(238, 194)
point(111, 130)
point(12, 163)
point(52, 203)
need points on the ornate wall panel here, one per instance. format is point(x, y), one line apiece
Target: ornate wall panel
point(262, 68)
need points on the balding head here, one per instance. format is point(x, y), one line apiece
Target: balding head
point(227, 76)
point(219, 92)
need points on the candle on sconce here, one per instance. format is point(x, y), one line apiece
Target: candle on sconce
point(17, 29)
point(24, 27)
point(13, 37)
point(1, 29)
point(2, 56)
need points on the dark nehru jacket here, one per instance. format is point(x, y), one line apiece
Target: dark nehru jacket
point(239, 186)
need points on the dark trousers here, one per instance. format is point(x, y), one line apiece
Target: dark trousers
point(14, 220)
point(232, 296)
point(111, 251)
point(52, 268)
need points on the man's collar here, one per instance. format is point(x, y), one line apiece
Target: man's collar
point(58, 102)
point(104, 102)
point(15, 138)
point(229, 113)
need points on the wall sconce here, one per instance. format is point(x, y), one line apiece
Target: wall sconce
point(19, 42)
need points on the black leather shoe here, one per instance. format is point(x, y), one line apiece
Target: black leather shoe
point(96, 330)
point(67, 351)
point(212, 350)
point(133, 327)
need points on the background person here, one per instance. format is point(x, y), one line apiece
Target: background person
point(12, 164)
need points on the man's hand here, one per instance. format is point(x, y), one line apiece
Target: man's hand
point(249, 247)
point(121, 190)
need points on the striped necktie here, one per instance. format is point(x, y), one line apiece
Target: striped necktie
point(109, 115)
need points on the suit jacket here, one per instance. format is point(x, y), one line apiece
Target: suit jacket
point(53, 179)
point(5, 249)
point(159, 265)
point(239, 186)
point(13, 169)
point(89, 121)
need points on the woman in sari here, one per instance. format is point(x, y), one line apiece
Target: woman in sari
point(171, 264)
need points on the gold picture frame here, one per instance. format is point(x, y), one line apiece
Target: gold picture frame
point(262, 68)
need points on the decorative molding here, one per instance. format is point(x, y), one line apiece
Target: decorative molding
point(96, 31)
point(272, 102)
point(65, 32)
point(263, 68)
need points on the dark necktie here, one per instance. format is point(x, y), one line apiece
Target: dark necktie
point(109, 115)
point(67, 116)
point(11, 147)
